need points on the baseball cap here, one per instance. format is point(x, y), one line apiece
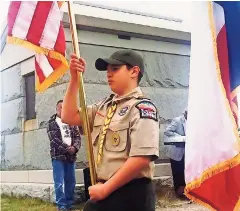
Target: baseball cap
point(121, 57)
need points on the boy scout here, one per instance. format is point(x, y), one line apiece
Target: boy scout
point(125, 135)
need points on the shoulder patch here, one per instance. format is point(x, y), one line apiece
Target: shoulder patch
point(147, 110)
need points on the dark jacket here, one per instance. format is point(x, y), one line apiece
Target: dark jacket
point(58, 149)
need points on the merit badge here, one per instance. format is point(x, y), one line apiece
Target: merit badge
point(115, 139)
point(147, 110)
point(123, 111)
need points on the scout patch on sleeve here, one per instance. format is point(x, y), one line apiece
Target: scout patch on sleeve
point(147, 110)
point(124, 110)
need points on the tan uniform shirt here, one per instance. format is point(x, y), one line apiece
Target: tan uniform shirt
point(135, 123)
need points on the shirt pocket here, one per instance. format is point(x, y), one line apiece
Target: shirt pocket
point(97, 125)
point(116, 137)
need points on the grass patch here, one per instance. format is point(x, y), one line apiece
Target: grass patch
point(15, 204)
point(27, 204)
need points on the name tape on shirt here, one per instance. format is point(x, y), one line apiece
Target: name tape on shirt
point(147, 110)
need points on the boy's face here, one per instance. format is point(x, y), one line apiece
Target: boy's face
point(119, 78)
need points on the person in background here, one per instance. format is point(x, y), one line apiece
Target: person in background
point(177, 130)
point(65, 141)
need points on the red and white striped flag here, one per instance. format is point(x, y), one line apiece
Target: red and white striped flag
point(38, 26)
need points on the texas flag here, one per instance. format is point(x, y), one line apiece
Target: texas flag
point(212, 165)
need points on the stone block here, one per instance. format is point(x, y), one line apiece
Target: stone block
point(165, 70)
point(13, 113)
point(13, 151)
point(41, 176)
point(162, 170)
point(36, 150)
point(30, 124)
point(12, 84)
point(79, 176)
point(14, 177)
point(52, 194)
point(26, 190)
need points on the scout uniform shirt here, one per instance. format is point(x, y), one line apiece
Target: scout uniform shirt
point(133, 131)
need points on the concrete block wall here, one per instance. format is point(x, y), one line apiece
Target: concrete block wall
point(12, 116)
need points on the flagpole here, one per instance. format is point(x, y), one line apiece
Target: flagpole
point(82, 97)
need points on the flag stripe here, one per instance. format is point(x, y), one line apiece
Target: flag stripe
point(222, 49)
point(24, 19)
point(44, 65)
point(224, 67)
point(38, 22)
point(39, 72)
point(51, 29)
point(223, 60)
point(219, 19)
point(12, 15)
point(53, 62)
point(60, 46)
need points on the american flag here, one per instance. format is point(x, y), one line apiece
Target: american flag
point(38, 25)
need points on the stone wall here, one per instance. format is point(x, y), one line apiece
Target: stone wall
point(165, 82)
point(12, 116)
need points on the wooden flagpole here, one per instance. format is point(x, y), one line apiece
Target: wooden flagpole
point(82, 97)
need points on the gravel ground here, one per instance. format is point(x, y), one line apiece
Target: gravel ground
point(167, 201)
point(186, 207)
